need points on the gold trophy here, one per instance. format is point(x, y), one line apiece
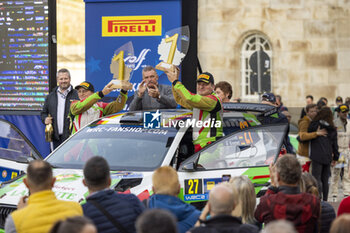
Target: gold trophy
point(48, 132)
point(173, 48)
point(121, 72)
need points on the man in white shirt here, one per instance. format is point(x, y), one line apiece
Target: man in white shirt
point(57, 104)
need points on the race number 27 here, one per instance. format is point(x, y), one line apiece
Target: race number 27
point(193, 186)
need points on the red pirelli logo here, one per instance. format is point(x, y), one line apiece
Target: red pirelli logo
point(148, 25)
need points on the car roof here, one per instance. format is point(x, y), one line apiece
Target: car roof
point(230, 110)
point(248, 107)
point(136, 117)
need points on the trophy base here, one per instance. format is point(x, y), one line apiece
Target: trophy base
point(121, 84)
point(163, 66)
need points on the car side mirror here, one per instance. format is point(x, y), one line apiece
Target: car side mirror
point(189, 167)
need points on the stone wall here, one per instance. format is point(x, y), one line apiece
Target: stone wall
point(310, 42)
point(71, 38)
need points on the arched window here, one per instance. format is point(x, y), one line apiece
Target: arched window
point(251, 46)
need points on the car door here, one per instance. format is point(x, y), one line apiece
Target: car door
point(15, 151)
point(245, 152)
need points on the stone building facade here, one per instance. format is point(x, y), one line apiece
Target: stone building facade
point(308, 42)
point(71, 38)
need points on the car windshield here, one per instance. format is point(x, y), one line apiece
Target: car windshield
point(126, 148)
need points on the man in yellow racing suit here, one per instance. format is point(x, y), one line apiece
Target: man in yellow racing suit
point(206, 107)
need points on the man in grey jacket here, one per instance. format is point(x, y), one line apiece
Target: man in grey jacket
point(150, 94)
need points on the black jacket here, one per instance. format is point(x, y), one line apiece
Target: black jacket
point(50, 107)
point(125, 208)
point(327, 216)
point(224, 224)
point(324, 149)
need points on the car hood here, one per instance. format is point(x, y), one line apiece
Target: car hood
point(68, 185)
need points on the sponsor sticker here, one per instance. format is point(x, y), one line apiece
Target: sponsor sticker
point(142, 25)
point(124, 174)
point(196, 197)
point(128, 130)
point(210, 183)
point(7, 174)
point(151, 120)
point(4, 174)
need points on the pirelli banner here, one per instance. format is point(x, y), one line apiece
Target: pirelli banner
point(144, 25)
point(112, 23)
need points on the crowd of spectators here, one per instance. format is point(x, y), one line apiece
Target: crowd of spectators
point(296, 200)
point(291, 204)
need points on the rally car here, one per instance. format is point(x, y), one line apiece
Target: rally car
point(15, 151)
point(134, 147)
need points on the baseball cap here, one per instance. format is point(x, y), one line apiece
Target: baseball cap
point(86, 85)
point(339, 99)
point(205, 77)
point(343, 108)
point(269, 97)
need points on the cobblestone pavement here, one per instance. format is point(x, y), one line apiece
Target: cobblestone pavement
point(335, 203)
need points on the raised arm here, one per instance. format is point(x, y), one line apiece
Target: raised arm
point(116, 105)
point(79, 106)
point(206, 103)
